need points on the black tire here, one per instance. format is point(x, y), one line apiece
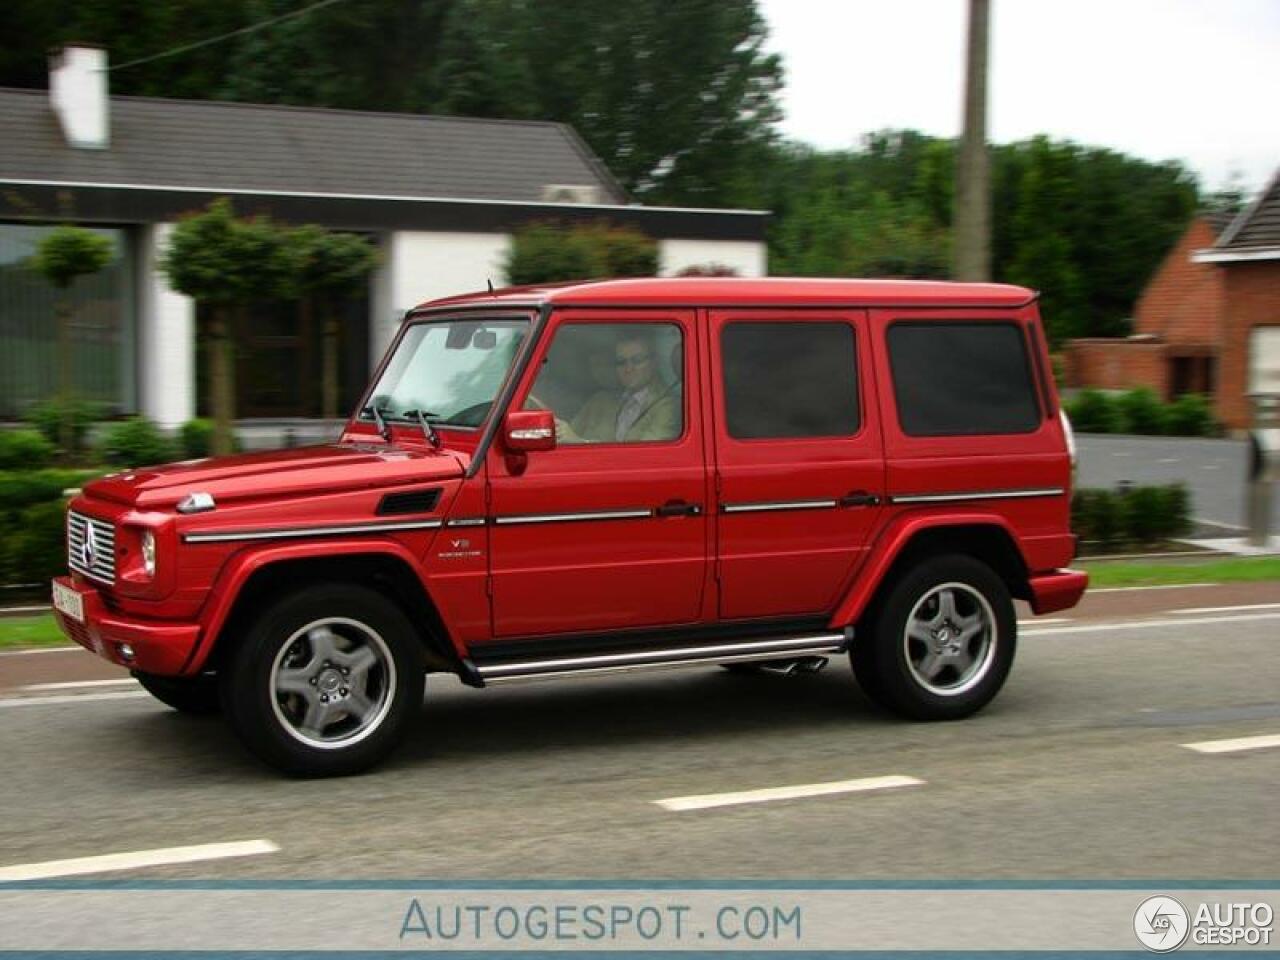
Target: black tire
point(197, 695)
point(283, 648)
point(953, 674)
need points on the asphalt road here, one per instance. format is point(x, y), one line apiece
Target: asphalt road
point(1077, 771)
point(1214, 470)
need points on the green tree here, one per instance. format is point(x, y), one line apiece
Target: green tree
point(65, 254)
point(331, 266)
point(550, 252)
point(228, 263)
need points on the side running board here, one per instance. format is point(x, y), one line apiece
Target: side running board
point(776, 648)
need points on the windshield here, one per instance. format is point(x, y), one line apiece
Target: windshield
point(447, 371)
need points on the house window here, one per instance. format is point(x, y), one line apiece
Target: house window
point(102, 327)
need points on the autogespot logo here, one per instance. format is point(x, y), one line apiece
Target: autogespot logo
point(1161, 924)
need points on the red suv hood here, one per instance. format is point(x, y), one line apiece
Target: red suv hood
point(331, 468)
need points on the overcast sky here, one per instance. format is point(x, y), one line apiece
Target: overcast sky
point(1194, 80)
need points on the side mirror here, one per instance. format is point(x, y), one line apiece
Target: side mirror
point(526, 430)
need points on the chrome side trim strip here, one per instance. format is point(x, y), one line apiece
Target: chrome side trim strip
point(977, 495)
point(778, 505)
point(785, 655)
point(566, 517)
point(291, 533)
point(785, 646)
point(466, 522)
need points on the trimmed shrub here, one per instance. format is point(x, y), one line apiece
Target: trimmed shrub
point(1143, 509)
point(1095, 516)
point(1190, 416)
point(48, 418)
point(22, 488)
point(1093, 412)
point(136, 442)
point(707, 270)
point(1141, 412)
point(37, 546)
point(1131, 515)
point(24, 450)
point(549, 252)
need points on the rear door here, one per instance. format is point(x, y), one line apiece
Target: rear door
point(799, 461)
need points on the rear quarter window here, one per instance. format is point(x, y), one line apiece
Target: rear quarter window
point(957, 379)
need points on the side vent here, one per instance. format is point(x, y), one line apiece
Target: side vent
point(413, 501)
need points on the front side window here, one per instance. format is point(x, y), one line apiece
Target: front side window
point(790, 380)
point(613, 383)
point(449, 370)
point(953, 379)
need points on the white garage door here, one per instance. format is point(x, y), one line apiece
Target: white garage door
point(1264, 360)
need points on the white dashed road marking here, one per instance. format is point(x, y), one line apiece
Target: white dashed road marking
point(1235, 746)
point(138, 859)
point(1157, 586)
point(1149, 624)
point(708, 800)
point(1246, 606)
point(71, 698)
point(80, 684)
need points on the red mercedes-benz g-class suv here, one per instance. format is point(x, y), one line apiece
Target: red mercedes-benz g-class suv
point(601, 477)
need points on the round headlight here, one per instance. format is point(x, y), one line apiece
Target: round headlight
point(149, 553)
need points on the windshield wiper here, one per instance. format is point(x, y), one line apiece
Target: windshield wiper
point(383, 430)
point(424, 418)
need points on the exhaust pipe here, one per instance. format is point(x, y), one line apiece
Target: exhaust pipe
point(793, 668)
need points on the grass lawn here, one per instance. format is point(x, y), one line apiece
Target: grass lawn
point(43, 632)
point(38, 631)
point(1124, 573)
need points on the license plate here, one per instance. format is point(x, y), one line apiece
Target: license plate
point(67, 601)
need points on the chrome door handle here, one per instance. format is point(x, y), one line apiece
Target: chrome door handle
point(858, 498)
point(678, 508)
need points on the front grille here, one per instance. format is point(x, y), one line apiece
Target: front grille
point(101, 564)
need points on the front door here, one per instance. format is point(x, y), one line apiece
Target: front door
point(799, 458)
point(608, 531)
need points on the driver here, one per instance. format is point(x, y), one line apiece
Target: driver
point(643, 408)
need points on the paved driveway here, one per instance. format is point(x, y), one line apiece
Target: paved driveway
point(1214, 470)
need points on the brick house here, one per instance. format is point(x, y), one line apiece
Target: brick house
point(1247, 258)
point(1208, 321)
point(1177, 321)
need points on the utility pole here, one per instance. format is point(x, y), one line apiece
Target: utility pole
point(971, 257)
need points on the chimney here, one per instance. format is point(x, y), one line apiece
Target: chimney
point(78, 95)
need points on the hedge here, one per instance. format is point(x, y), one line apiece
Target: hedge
point(1131, 515)
point(1141, 412)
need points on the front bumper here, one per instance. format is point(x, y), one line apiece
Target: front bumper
point(158, 646)
point(1057, 590)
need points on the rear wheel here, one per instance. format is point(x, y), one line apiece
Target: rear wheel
point(325, 681)
point(940, 644)
point(194, 695)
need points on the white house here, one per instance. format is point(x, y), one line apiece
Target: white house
point(440, 195)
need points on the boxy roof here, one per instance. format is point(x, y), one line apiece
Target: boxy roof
point(745, 291)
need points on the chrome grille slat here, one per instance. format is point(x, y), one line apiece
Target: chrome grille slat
point(104, 538)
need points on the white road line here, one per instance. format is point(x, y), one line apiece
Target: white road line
point(708, 800)
point(78, 684)
point(71, 698)
point(1148, 624)
point(16, 610)
point(135, 860)
point(1158, 586)
point(1243, 606)
point(1168, 460)
point(1234, 746)
point(27, 653)
point(1044, 620)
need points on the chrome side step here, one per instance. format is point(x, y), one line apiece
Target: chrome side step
point(778, 648)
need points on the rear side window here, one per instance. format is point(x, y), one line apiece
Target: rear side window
point(789, 380)
point(952, 379)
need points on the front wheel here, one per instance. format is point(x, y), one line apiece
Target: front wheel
point(325, 681)
point(940, 644)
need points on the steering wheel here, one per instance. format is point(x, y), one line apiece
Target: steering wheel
point(473, 415)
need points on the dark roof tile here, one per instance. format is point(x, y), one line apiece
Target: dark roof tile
point(237, 146)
